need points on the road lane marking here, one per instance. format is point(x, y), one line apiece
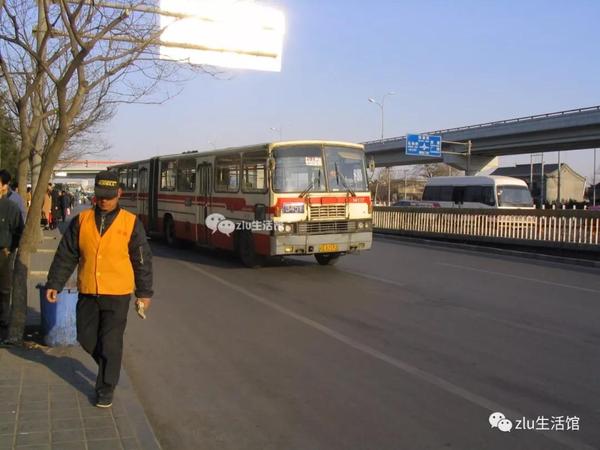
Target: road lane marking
point(476, 313)
point(518, 277)
point(375, 278)
point(441, 383)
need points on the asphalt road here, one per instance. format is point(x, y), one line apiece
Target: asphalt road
point(403, 347)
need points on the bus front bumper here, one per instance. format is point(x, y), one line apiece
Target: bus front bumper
point(294, 244)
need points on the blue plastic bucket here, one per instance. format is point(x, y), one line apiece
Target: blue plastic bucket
point(58, 319)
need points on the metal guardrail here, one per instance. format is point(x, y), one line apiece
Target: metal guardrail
point(553, 228)
point(489, 124)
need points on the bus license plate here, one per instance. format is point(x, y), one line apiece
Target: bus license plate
point(328, 248)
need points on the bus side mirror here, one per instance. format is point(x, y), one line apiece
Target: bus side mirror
point(260, 212)
point(271, 163)
point(372, 169)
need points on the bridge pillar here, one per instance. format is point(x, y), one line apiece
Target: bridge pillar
point(476, 164)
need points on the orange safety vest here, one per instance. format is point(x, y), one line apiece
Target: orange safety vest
point(104, 264)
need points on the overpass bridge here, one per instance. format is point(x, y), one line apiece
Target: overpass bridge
point(81, 171)
point(564, 130)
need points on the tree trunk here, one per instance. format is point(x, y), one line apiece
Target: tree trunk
point(18, 311)
point(28, 245)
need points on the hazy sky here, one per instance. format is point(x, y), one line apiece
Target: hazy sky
point(451, 63)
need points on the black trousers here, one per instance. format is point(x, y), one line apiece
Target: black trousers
point(101, 322)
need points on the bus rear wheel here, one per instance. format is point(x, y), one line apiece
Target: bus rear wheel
point(247, 251)
point(170, 236)
point(327, 259)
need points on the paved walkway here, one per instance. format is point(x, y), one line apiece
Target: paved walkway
point(47, 394)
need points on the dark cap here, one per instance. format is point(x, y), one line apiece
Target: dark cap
point(106, 184)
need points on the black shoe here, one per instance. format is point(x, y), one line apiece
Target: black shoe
point(104, 400)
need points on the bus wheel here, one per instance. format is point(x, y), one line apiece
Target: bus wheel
point(247, 251)
point(327, 259)
point(170, 232)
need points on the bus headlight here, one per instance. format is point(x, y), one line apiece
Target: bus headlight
point(361, 225)
point(283, 228)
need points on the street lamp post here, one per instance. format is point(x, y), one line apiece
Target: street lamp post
point(381, 107)
point(278, 129)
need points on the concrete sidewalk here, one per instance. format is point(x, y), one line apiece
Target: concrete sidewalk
point(47, 394)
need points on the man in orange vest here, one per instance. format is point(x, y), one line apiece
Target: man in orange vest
point(109, 245)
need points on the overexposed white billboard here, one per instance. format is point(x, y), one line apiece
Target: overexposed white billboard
point(223, 33)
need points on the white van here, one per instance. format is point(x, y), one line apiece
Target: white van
point(478, 192)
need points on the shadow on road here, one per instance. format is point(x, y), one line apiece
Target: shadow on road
point(218, 258)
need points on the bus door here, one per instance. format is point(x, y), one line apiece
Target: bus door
point(204, 204)
point(142, 196)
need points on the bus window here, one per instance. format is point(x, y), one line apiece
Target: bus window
point(227, 173)
point(446, 194)
point(488, 196)
point(123, 178)
point(133, 179)
point(458, 194)
point(514, 196)
point(168, 175)
point(345, 168)
point(431, 193)
point(298, 168)
point(186, 175)
point(254, 172)
point(473, 194)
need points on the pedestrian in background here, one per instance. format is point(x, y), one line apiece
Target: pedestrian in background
point(47, 207)
point(28, 197)
point(13, 194)
point(11, 228)
point(109, 247)
point(56, 208)
point(64, 205)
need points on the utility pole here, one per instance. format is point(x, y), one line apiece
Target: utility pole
point(558, 197)
point(530, 171)
point(389, 183)
point(542, 193)
point(469, 145)
point(594, 180)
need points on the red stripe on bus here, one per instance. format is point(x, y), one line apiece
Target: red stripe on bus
point(239, 204)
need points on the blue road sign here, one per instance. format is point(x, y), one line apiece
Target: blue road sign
point(423, 145)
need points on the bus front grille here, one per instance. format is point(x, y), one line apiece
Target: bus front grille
point(327, 212)
point(326, 227)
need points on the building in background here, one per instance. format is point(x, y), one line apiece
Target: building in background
point(590, 194)
point(572, 184)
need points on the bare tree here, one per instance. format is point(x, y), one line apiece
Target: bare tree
point(66, 64)
point(434, 170)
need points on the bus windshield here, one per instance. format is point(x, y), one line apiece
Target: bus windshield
point(303, 168)
point(345, 169)
point(299, 168)
point(514, 196)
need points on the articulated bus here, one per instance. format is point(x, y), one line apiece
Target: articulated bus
point(274, 199)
